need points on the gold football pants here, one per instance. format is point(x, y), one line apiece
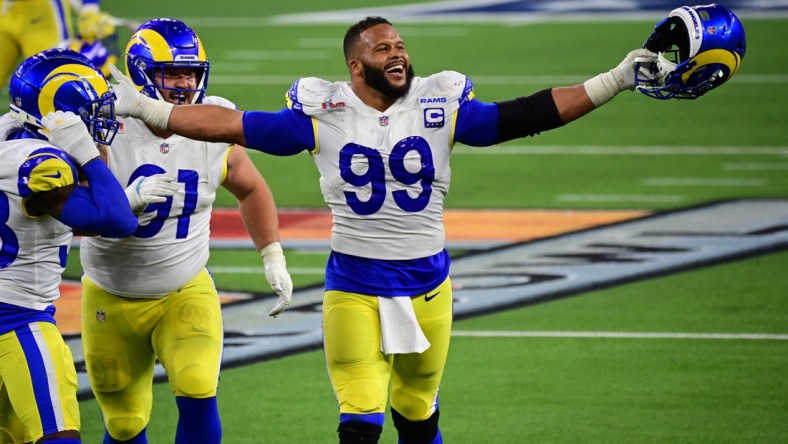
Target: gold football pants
point(123, 337)
point(362, 375)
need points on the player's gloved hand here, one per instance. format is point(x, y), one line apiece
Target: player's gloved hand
point(92, 24)
point(67, 131)
point(131, 102)
point(145, 190)
point(602, 88)
point(277, 276)
point(641, 62)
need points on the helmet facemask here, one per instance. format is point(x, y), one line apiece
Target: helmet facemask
point(99, 116)
point(158, 70)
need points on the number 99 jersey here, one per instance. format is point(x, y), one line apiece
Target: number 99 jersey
point(385, 175)
point(170, 246)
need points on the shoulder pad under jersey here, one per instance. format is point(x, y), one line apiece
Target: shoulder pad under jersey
point(220, 101)
point(449, 84)
point(308, 95)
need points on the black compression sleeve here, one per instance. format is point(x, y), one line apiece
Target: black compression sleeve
point(527, 116)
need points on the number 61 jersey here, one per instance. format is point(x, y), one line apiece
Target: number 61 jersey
point(170, 246)
point(386, 174)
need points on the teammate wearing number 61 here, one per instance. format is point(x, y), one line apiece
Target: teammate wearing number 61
point(382, 143)
point(150, 295)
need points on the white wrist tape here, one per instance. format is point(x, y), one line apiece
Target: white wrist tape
point(155, 112)
point(602, 88)
point(274, 248)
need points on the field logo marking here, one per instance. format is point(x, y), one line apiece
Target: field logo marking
point(529, 272)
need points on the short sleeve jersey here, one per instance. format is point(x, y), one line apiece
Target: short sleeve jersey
point(384, 175)
point(164, 254)
point(33, 250)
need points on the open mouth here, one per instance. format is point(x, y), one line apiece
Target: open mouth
point(178, 97)
point(396, 69)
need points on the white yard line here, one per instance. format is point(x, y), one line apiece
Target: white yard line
point(262, 55)
point(519, 150)
point(231, 79)
point(617, 198)
point(755, 166)
point(701, 182)
point(259, 270)
point(622, 335)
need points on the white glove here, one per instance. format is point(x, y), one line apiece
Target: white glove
point(277, 276)
point(640, 60)
point(602, 88)
point(130, 102)
point(67, 131)
point(150, 189)
point(146, 217)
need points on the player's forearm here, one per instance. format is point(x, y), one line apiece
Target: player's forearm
point(101, 208)
point(211, 123)
point(572, 102)
point(258, 212)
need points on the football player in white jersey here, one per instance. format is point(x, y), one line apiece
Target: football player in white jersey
point(382, 143)
point(150, 295)
point(42, 160)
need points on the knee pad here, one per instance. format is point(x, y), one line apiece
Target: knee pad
point(416, 432)
point(368, 396)
point(107, 374)
point(125, 428)
point(195, 381)
point(359, 432)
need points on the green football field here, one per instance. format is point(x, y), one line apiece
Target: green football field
point(635, 153)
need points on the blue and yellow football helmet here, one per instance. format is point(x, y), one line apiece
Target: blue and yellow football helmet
point(63, 80)
point(700, 48)
point(161, 44)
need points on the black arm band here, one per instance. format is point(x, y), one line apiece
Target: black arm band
point(527, 116)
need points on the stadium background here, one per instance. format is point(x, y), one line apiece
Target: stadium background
point(635, 154)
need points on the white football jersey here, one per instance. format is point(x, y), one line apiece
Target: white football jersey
point(33, 250)
point(385, 175)
point(170, 250)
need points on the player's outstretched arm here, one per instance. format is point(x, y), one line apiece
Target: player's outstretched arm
point(602, 88)
point(211, 123)
point(484, 124)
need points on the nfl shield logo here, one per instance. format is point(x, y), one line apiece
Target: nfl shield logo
point(384, 121)
point(164, 148)
point(101, 315)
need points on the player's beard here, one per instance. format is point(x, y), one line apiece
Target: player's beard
point(376, 79)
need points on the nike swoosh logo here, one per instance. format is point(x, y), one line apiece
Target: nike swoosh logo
point(430, 297)
point(54, 176)
point(35, 20)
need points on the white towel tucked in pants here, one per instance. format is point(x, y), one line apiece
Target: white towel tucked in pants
point(399, 329)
